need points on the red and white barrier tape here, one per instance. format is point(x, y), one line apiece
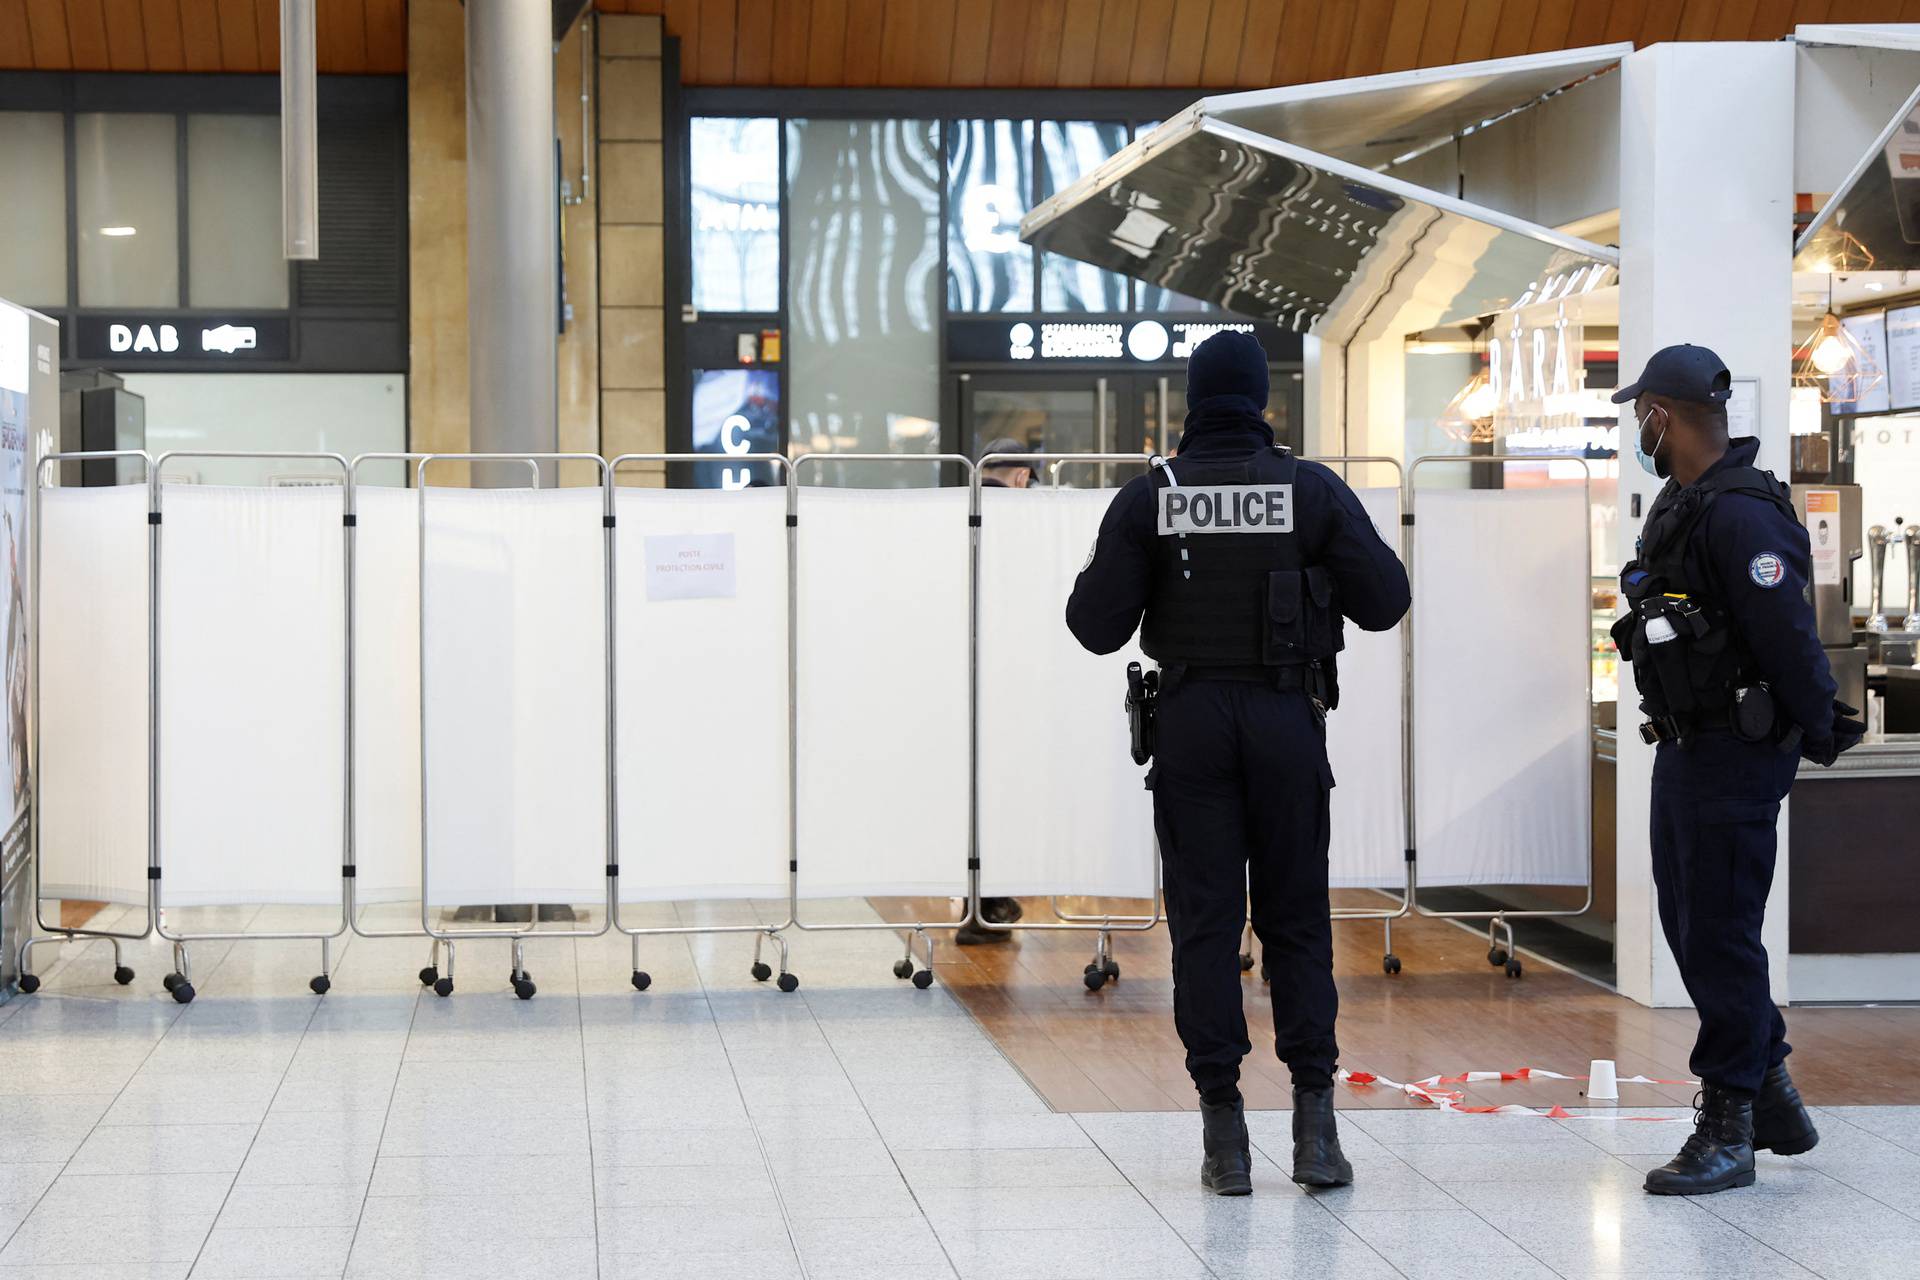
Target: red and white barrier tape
point(1434, 1091)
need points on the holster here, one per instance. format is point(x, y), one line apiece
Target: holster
point(1143, 692)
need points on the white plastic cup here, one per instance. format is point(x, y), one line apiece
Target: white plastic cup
point(1602, 1082)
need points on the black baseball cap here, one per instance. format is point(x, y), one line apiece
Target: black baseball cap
point(1685, 372)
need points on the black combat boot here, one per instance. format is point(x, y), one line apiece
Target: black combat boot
point(1781, 1123)
point(1317, 1158)
point(1227, 1169)
point(1719, 1154)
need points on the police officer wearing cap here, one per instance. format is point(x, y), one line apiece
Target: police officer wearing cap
point(1237, 562)
point(1717, 621)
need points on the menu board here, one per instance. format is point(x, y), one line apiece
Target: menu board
point(1903, 358)
point(1870, 331)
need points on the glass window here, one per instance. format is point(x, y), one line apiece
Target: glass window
point(990, 167)
point(1069, 150)
point(129, 215)
point(736, 411)
point(233, 212)
point(863, 209)
point(33, 216)
point(734, 171)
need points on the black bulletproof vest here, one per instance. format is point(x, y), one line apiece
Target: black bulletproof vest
point(1707, 660)
point(1232, 597)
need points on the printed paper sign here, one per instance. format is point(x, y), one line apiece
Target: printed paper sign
point(690, 566)
point(1823, 531)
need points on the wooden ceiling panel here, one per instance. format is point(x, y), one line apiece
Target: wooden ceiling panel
point(239, 35)
point(1257, 44)
point(87, 35)
point(1152, 28)
point(1041, 44)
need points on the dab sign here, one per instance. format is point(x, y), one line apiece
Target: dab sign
point(180, 339)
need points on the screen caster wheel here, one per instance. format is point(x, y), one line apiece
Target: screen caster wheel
point(1095, 977)
point(429, 976)
point(443, 986)
point(171, 981)
point(1111, 968)
point(121, 975)
point(903, 968)
point(29, 983)
point(182, 991)
point(923, 979)
point(642, 980)
point(788, 982)
point(1496, 956)
point(761, 971)
point(321, 985)
point(1246, 963)
point(524, 988)
point(1390, 965)
point(1513, 968)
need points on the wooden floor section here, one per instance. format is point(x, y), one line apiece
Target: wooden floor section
point(1447, 1012)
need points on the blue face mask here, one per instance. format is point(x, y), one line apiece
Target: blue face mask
point(1649, 462)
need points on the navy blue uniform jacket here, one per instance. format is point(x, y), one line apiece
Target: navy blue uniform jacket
point(1747, 555)
point(1110, 596)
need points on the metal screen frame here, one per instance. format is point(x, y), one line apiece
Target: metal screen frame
point(180, 981)
point(641, 979)
point(1499, 920)
point(57, 933)
point(517, 936)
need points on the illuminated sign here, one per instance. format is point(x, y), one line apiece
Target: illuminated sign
point(179, 338)
point(1122, 340)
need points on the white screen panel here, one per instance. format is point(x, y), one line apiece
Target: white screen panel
point(1501, 639)
point(386, 688)
point(92, 654)
point(252, 695)
point(1364, 744)
point(883, 691)
point(515, 696)
point(702, 693)
point(1063, 807)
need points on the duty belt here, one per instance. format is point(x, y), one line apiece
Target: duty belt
point(1680, 728)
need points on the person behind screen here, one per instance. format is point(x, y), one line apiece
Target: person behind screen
point(1004, 475)
point(1720, 630)
point(1237, 562)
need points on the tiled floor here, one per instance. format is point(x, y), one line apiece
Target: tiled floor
point(715, 1127)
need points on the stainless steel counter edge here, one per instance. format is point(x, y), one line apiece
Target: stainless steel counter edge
point(1897, 757)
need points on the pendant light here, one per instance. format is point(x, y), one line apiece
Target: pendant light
point(1468, 417)
point(1833, 363)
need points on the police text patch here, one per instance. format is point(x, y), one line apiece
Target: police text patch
point(1226, 508)
point(1767, 570)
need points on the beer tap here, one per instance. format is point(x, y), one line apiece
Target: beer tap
point(1878, 538)
point(1912, 539)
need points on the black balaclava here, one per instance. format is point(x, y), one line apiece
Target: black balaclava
point(1230, 368)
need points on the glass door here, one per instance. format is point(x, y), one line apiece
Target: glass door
point(1040, 413)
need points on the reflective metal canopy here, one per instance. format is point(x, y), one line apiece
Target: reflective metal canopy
point(1872, 223)
point(1274, 231)
point(1371, 120)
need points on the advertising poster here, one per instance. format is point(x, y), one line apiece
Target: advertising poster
point(1823, 531)
point(736, 412)
point(16, 372)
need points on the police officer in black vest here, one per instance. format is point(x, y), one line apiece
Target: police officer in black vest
point(1717, 620)
point(1237, 562)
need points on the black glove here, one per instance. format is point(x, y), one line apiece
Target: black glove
point(1847, 733)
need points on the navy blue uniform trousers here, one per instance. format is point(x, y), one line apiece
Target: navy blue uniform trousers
point(1715, 803)
point(1240, 784)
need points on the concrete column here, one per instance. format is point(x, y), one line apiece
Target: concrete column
point(512, 244)
point(1706, 207)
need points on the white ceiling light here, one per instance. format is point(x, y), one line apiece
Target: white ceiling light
point(116, 231)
